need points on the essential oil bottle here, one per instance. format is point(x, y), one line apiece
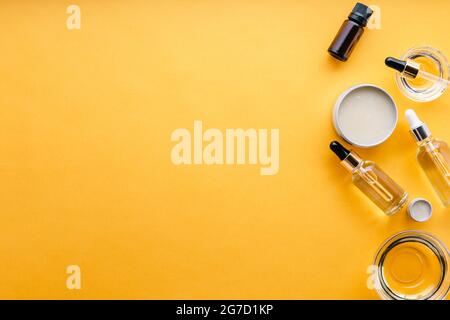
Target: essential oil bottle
point(371, 180)
point(433, 156)
point(350, 32)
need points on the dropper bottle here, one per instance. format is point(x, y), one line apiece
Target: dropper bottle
point(433, 156)
point(371, 180)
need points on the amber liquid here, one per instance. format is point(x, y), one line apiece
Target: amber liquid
point(379, 187)
point(427, 65)
point(434, 158)
point(411, 270)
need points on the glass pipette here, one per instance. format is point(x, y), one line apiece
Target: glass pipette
point(411, 70)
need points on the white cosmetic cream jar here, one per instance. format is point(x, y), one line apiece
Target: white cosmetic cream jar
point(365, 115)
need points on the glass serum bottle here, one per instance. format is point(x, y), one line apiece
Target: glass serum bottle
point(371, 180)
point(433, 156)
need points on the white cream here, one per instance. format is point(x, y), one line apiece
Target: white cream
point(365, 115)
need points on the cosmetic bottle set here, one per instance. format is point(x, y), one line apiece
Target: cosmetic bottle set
point(410, 264)
point(433, 156)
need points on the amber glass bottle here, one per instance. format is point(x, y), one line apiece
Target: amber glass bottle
point(350, 32)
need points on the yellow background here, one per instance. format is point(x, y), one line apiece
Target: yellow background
point(86, 176)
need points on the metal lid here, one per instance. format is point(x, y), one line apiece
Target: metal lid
point(360, 14)
point(411, 69)
point(420, 133)
point(420, 209)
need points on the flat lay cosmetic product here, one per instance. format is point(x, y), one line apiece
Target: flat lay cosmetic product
point(423, 73)
point(412, 265)
point(371, 180)
point(350, 32)
point(420, 210)
point(365, 115)
point(433, 156)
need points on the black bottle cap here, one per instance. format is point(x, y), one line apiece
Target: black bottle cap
point(339, 150)
point(360, 14)
point(396, 64)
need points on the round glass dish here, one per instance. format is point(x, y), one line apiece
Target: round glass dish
point(412, 265)
point(431, 60)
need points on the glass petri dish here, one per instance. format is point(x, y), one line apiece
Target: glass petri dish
point(431, 60)
point(412, 265)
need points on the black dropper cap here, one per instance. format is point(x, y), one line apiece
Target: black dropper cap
point(396, 64)
point(360, 14)
point(339, 150)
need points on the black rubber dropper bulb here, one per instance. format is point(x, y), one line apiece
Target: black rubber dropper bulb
point(339, 150)
point(396, 64)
